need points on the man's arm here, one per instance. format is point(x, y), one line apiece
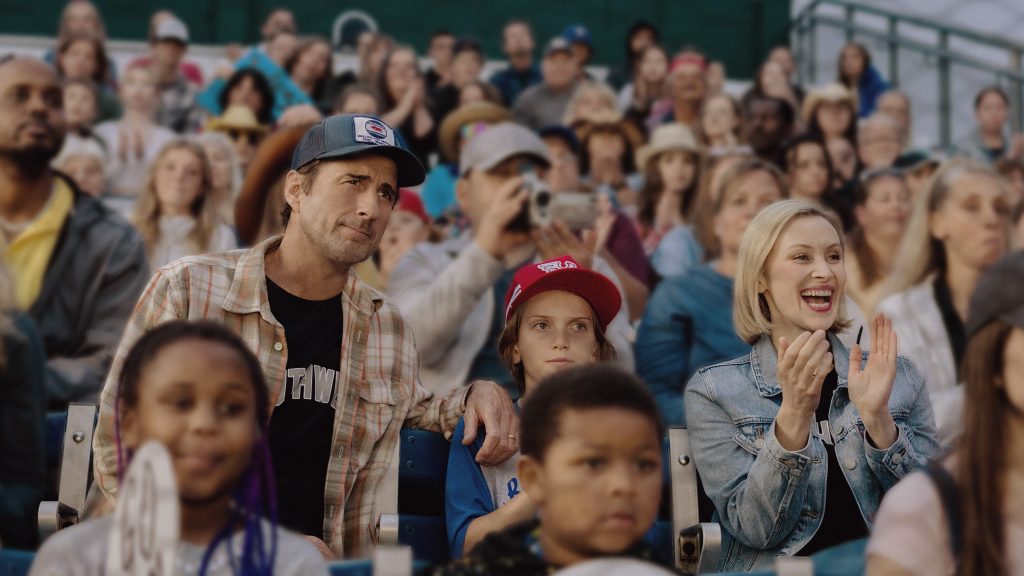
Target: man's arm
point(164, 299)
point(79, 376)
point(436, 304)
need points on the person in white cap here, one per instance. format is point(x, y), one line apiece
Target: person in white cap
point(178, 109)
point(452, 293)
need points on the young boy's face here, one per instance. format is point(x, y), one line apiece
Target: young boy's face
point(598, 486)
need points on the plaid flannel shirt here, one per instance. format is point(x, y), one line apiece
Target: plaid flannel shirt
point(378, 386)
point(179, 110)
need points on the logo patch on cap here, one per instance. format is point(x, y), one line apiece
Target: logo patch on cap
point(373, 131)
point(548, 267)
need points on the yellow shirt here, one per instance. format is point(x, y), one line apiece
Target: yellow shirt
point(29, 253)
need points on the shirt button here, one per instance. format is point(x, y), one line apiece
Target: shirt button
point(759, 443)
point(278, 346)
point(851, 463)
point(897, 458)
point(839, 430)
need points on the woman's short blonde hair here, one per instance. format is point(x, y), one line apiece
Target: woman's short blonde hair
point(750, 311)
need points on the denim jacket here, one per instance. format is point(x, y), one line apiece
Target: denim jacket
point(770, 501)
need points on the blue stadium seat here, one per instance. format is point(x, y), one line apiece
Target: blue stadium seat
point(15, 562)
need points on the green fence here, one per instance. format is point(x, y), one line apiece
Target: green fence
point(738, 32)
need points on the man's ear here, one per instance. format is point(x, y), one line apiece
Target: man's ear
point(530, 475)
point(293, 189)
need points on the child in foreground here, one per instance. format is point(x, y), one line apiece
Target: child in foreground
point(591, 462)
point(197, 389)
point(556, 313)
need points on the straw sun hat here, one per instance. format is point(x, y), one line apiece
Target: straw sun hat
point(665, 138)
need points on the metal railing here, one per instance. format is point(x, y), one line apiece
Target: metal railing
point(1010, 75)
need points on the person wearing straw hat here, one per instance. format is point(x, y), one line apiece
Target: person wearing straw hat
point(671, 167)
point(456, 129)
point(241, 127)
point(831, 112)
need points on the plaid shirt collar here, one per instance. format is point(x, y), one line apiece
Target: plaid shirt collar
point(248, 291)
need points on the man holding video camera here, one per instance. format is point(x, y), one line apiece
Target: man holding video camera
point(452, 293)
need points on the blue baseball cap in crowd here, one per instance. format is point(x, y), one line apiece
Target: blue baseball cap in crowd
point(355, 134)
point(578, 34)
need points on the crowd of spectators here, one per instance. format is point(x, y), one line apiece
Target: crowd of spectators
point(740, 254)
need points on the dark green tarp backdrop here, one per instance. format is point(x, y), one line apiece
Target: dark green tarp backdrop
point(738, 32)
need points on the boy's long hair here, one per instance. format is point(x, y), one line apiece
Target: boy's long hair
point(981, 457)
point(255, 495)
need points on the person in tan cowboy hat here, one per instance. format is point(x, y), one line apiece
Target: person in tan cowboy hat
point(456, 130)
point(831, 112)
point(245, 132)
point(671, 165)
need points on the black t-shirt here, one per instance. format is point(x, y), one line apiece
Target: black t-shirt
point(302, 425)
point(842, 521)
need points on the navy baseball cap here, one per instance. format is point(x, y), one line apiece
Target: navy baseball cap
point(354, 134)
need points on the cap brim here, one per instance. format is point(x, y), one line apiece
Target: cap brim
point(410, 169)
point(594, 287)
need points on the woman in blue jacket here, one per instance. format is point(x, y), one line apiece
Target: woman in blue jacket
point(688, 321)
point(860, 77)
point(797, 442)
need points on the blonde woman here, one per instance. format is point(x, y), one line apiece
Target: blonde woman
point(591, 102)
point(133, 140)
point(225, 174)
point(797, 441)
point(959, 227)
point(174, 214)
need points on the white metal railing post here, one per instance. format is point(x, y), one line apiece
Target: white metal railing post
point(945, 108)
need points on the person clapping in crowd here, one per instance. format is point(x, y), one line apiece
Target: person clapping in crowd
point(845, 428)
point(404, 102)
point(648, 85)
point(134, 140)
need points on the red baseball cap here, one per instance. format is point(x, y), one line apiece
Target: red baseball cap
point(564, 273)
point(410, 201)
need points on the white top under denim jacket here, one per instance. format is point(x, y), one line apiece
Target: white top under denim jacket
point(769, 500)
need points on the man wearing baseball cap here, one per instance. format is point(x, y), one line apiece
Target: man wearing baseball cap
point(452, 293)
point(341, 362)
point(545, 103)
point(178, 108)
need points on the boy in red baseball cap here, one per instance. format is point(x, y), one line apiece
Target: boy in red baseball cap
point(556, 314)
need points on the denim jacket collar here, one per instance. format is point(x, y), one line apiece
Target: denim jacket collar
point(764, 361)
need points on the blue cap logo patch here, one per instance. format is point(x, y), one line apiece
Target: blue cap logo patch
point(373, 131)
